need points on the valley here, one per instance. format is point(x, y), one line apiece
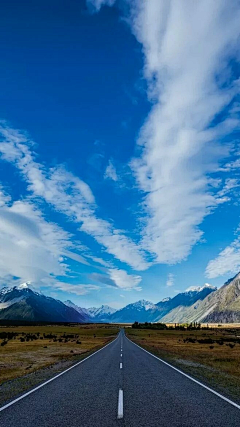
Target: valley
point(205, 304)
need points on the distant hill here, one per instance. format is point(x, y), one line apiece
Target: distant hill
point(23, 303)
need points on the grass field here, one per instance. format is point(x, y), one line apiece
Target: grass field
point(212, 356)
point(25, 349)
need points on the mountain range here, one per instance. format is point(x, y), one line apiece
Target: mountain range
point(23, 303)
point(201, 304)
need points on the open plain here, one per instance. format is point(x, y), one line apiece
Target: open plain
point(211, 355)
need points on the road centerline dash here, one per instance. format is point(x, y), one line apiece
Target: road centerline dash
point(120, 404)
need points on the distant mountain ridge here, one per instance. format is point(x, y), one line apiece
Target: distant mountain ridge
point(146, 311)
point(202, 304)
point(98, 314)
point(223, 305)
point(140, 311)
point(23, 303)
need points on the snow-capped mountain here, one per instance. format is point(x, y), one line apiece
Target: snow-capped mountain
point(140, 311)
point(83, 311)
point(199, 288)
point(23, 303)
point(94, 314)
point(101, 312)
point(196, 303)
point(165, 299)
point(183, 299)
point(146, 311)
point(223, 305)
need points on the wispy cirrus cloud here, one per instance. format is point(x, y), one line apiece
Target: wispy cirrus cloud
point(227, 261)
point(188, 50)
point(170, 279)
point(69, 195)
point(124, 280)
point(78, 289)
point(110, 172)
point(186, 47)
point(95, 5)
point(118, 278)
point(180, 146)
point(31, 248)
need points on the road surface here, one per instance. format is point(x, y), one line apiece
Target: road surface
point(121, 385)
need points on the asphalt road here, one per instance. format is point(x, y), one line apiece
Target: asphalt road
point(109, 390)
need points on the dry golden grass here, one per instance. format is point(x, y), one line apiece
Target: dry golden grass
point(213, 325)
point(216, 363)
point(19, 358)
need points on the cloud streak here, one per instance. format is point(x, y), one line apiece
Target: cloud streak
point(188, 49)
point(110, 172)
point(69, 195)
point(118, 278)
point(227, 262)
point(31, 247)
point(170, 279)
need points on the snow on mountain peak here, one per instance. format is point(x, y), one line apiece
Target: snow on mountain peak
point(24, 285)
point(99, 311)
point(165, 299)
point(199, 288)
point(148, 305)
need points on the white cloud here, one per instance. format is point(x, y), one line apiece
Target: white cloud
point(110, 172)
point(70, 195)
point(75, 289)
point(100, 261)
point(229, 185)
point(124, 280)
point(235, 164)
point(96, 5)
point(75, 257)
point(170, 279)
point(227, 262)
point(119, 279)
point(31, 247)
point(186, 46)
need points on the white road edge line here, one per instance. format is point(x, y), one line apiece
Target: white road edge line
point(188, 376)
point(120, 365)
point(120, 404)
point(53, 378)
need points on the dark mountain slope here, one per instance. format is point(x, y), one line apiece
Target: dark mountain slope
point(22, 303)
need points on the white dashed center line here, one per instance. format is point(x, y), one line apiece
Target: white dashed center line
point(120, 365)
point(120, 404)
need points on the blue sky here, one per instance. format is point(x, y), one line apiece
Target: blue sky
point(119, 148)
